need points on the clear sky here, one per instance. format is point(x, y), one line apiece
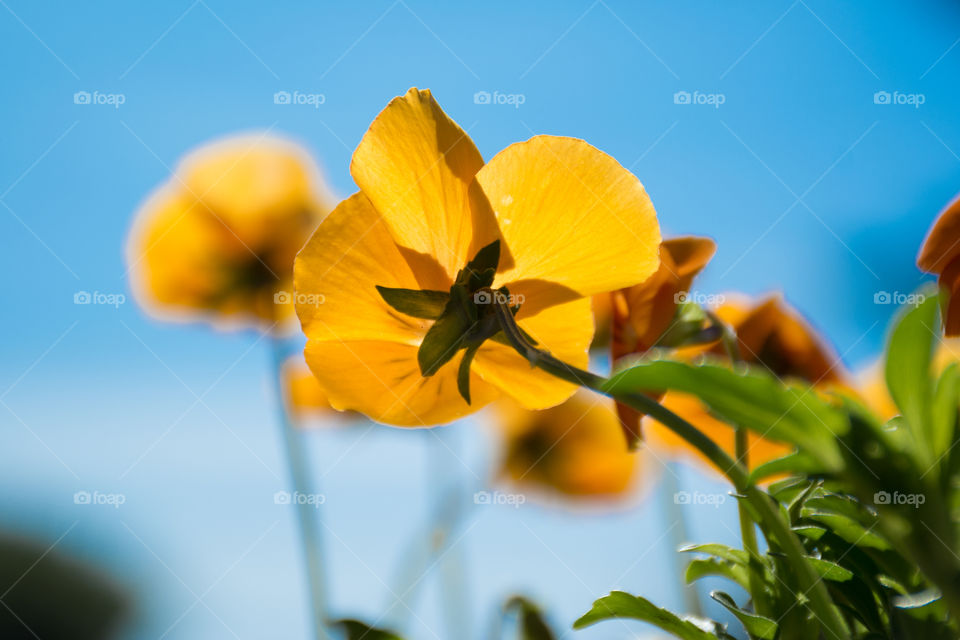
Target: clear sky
point(819, 141)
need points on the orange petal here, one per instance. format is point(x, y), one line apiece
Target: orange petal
point(382, 381)
point(574, 221)
point(336, 274)
point(942, 244)
point(416, 165)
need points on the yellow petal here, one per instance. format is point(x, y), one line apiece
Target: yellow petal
point(570, 216)
point(416, 165)
point(382, 380)
point(336, 274)
point(565, 330)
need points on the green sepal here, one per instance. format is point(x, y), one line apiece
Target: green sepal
point(443, 340)
point(426, 304)
point(463, 373)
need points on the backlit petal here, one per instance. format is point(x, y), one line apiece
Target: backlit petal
point(382, 380)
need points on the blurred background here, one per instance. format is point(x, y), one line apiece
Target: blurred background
point(814, 140)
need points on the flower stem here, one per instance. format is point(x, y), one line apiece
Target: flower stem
point(772, 521)
point(308, 515)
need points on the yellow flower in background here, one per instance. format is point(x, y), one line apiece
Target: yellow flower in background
point(770, 334)
point(940, 254)
point(574, 449)
point(570, 221)
point(219, 238)
point(641, 314)
point(872, 382)
point(303, 395)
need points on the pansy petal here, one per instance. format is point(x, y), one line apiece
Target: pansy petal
point(573, 219)
point(381, 380)
point(336, 274)
point(564, 330)
point(416, 166)
point(942, 244)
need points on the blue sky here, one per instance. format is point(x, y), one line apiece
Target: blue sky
point(811, 182)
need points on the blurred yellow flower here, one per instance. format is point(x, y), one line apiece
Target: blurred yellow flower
point(940, 254)
point(219, 238)
point(771, 334)
point(303, 395)
point(571, 222)
point(574, 449)
point(641, 314)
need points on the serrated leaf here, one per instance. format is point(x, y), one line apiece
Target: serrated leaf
point(425, 303)
point(619, 604)
point(749, 397)
point(357, 630)
point(756, 626)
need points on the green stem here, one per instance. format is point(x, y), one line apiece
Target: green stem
point(742, 451)
point(308, 515)
point(772, 520)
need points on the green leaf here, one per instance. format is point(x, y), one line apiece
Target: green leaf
point(533, 626)
point(916, 600)
point(425, 303)
point(356, 630)
point(752, 398)
point(737, 556)
point(830, 570)
point(796, 462)
point(908, 368)
point(757, 626)
point(946, 399)
point(619, 604)
point(703, 567)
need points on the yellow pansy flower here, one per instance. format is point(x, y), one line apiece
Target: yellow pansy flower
point(770, 334)
point(553, 219)
point(219, 238)
point(574, 449)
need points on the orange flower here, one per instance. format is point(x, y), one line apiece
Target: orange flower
point(574, 449)
point(771, 334)
point(940, 254)
point(219, 238)
point(641, 314)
